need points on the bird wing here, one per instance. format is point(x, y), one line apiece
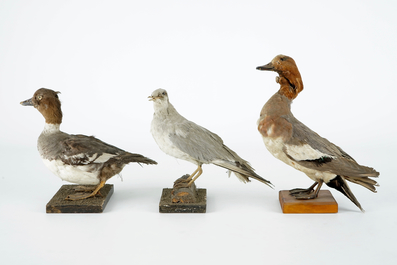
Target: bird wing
point(198, 142)
point(85, 150)
point(310, 150)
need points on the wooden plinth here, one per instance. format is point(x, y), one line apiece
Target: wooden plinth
point(324, 203)
point(167, 206)
point(182, 199)
point(96, 204)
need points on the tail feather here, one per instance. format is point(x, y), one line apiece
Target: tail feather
point(242, 172)
point(341, 185)
point(129, 157)
point(364, 181)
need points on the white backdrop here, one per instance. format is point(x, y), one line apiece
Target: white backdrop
point(106, 58)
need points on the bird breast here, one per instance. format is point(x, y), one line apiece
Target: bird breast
point(161, 130)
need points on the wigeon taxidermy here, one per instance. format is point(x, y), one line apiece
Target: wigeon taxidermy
point(295, 144)
point(77, 158)
point(183, 139)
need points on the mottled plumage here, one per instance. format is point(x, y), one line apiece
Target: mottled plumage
point(76, 158)
point(298, 146)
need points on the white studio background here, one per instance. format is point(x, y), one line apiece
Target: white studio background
point(106, 58)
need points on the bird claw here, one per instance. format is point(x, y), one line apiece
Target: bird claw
point(84, 188)
point(82, 195)
point(77, 196)
point(300, 191)
point(303, 194)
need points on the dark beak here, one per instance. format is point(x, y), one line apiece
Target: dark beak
point(27, 102)
point(267, 67)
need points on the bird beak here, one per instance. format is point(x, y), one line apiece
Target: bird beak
point(267, 67)
point(27, 102)
point(152, 98)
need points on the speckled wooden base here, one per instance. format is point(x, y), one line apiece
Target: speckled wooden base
point(167, 206)
point(324, 203)
point(96, 204)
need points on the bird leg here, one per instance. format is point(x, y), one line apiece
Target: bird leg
point(186, 183)
point(82, 196)
point(198, 173)
point(307, 194)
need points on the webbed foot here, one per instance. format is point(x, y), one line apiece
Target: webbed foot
point(306, 194)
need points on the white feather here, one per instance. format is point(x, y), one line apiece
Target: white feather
point(304, 152)
point(84, 175)
point(102, 158)
point(275, 147)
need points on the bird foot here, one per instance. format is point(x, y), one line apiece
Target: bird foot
point(300, 191)
point(303, 194)
point(81, 188)
point(82, 195)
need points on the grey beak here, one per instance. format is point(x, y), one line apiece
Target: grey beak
point(267, 67)
point(27, 102)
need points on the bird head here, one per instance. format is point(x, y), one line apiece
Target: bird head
point(46, 101)
point(159, 95)
point(286, 67)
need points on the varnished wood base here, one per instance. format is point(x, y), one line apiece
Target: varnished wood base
point(167, 206)
point(96, 204)
point(324, 203)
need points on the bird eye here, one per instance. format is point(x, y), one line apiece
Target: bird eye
point(164, 93)
point(282, 58)
point(39, 97)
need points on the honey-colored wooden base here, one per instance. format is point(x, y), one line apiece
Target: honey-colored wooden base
point(96, 204)
point(324, 203)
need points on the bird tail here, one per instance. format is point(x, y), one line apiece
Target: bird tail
point(339, 183)
point(137, 158)
point(242, 172)
point(364, 181)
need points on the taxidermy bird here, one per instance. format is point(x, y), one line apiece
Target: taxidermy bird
point(295, 144)
point(76, 158)
point(183, 139)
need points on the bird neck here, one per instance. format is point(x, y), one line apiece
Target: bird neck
point(290, 84)
point(51, 111)
point(50, 128)
point(277, 105)
point(164, 109)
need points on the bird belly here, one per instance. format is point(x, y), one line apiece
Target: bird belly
point(275, 147)
point(81, 174)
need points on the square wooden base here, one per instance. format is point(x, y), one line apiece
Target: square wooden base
point(167, 206)
point(96, 204)
point(324, 203)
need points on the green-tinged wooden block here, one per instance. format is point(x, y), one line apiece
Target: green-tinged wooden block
point(96, 204)
point(167, 206)
point(324, 203)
